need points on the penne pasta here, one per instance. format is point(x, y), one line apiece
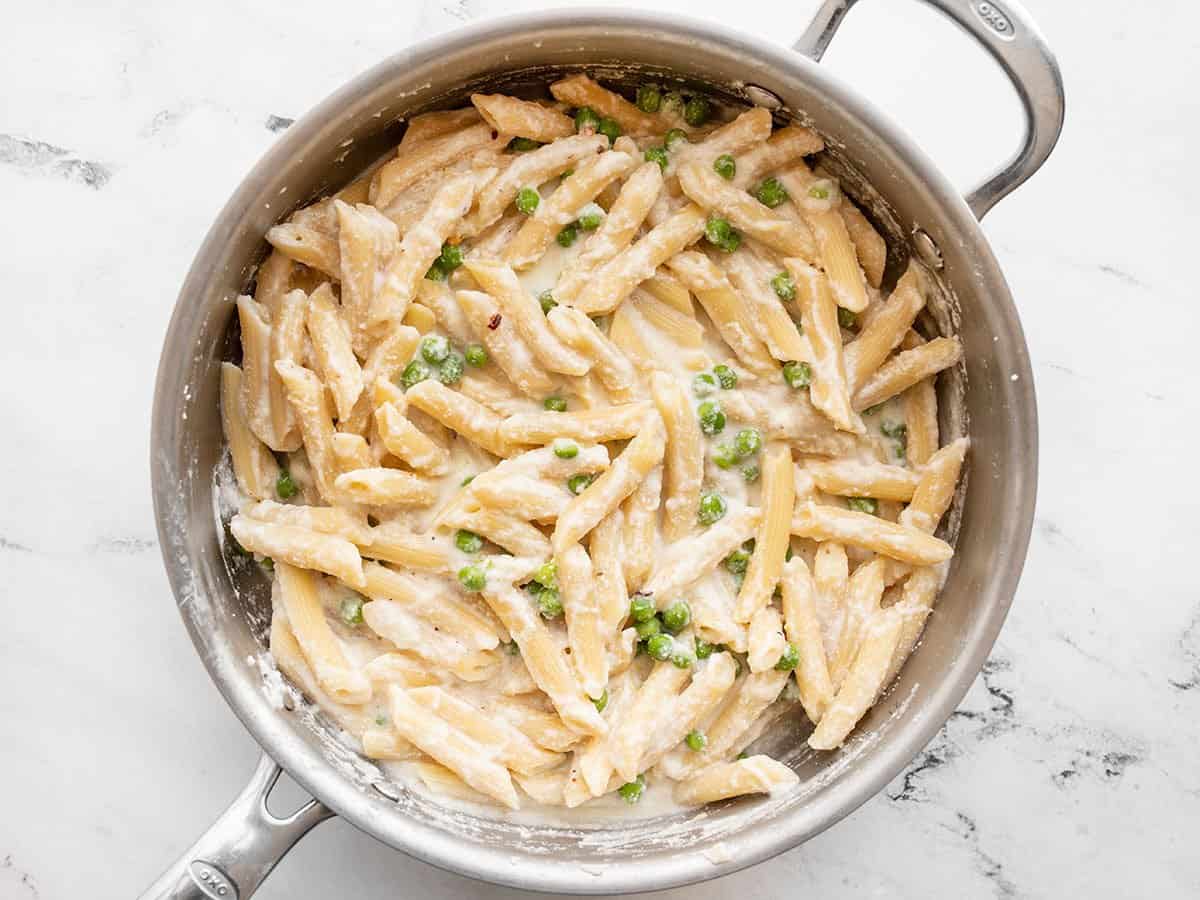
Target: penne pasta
point(253, 463)
point(585, 621)
point(605, 494)
point(611, 423)
point(921, 422)
point(850, 478)
point(523, 310)
point(884, 331)
point(523, 118)
point(830, 390)
point(579, 90)
point(422, 244)
point(907, 368)
point(307, 397)
point(710, 191)
point(624, 218)
point(334, 355)
point(544, 660)
point(684, 457)
point(298, 596)
point(617, 278)
point(803, 629)
point(423, 159)
point(863, 683)
point(829, 523)
point(753, 775)
point(774, 533)
point(563, 206)
point(461, 415)
point(504, 344)
point(449, 746)
point(690, 559)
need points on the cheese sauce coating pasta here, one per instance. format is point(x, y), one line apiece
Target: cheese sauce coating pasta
point(582, 440)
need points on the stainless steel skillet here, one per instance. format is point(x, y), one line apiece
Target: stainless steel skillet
point(224, 605)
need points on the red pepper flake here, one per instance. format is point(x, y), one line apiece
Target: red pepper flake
point(494, 322)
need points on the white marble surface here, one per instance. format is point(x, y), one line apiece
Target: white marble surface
point(1071, 768)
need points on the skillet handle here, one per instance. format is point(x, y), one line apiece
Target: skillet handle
point(1007, 32)
point(240, 849)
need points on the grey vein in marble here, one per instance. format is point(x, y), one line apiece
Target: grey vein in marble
point(41, 158)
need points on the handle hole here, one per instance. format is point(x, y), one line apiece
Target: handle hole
point(286, 798)
point(925, 73)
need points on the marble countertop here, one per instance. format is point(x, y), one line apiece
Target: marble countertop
point(1071, 768)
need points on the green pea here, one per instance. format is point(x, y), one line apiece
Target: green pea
point(846, 318)
point(586, 119)
point(565, 449)
point(513, 648)
point(467, 541)
point(797, 374)
point(547, 574)
point(863, 504)
point(895, 430)
point(528, 200)
point(660, 647)
point(721, 234)
point(737, 562)
point(352, 611)
point(467, 480)
point(900, 451)
point(742, 755)
point(577, 484)
point(712, 508)
point(451, 257)
point(451, 369)
point(747, 441)
point(609, 128)
point(522, 144)
point(549, 603)
point(648, 629)
point(712, 418)
point(547, 301)
point(696, 111)
point(436, 272)
point(566, 237)
point(415, 372)
point(677, 616)
point(566, 174)
point(658, 155)
point(473, 578)
point(285, 487)
point(750, 473)
point(555, 404)
point(696, 740)
point(725, 166)
point(434, 348)
point(590, 217)
point(726, 377)
point(600, 702)
point(268, 565)
point(771, 193)
point(641, 608)
point(703, 649)
point(381, 719)
point(784, 286)
point(704, 384)
point(476, 356)
point(681, 660)
point(673, 138)
point(649, 98)
point(631, 791)
point(789, 660)
point(725, 456)
point(819, 191)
